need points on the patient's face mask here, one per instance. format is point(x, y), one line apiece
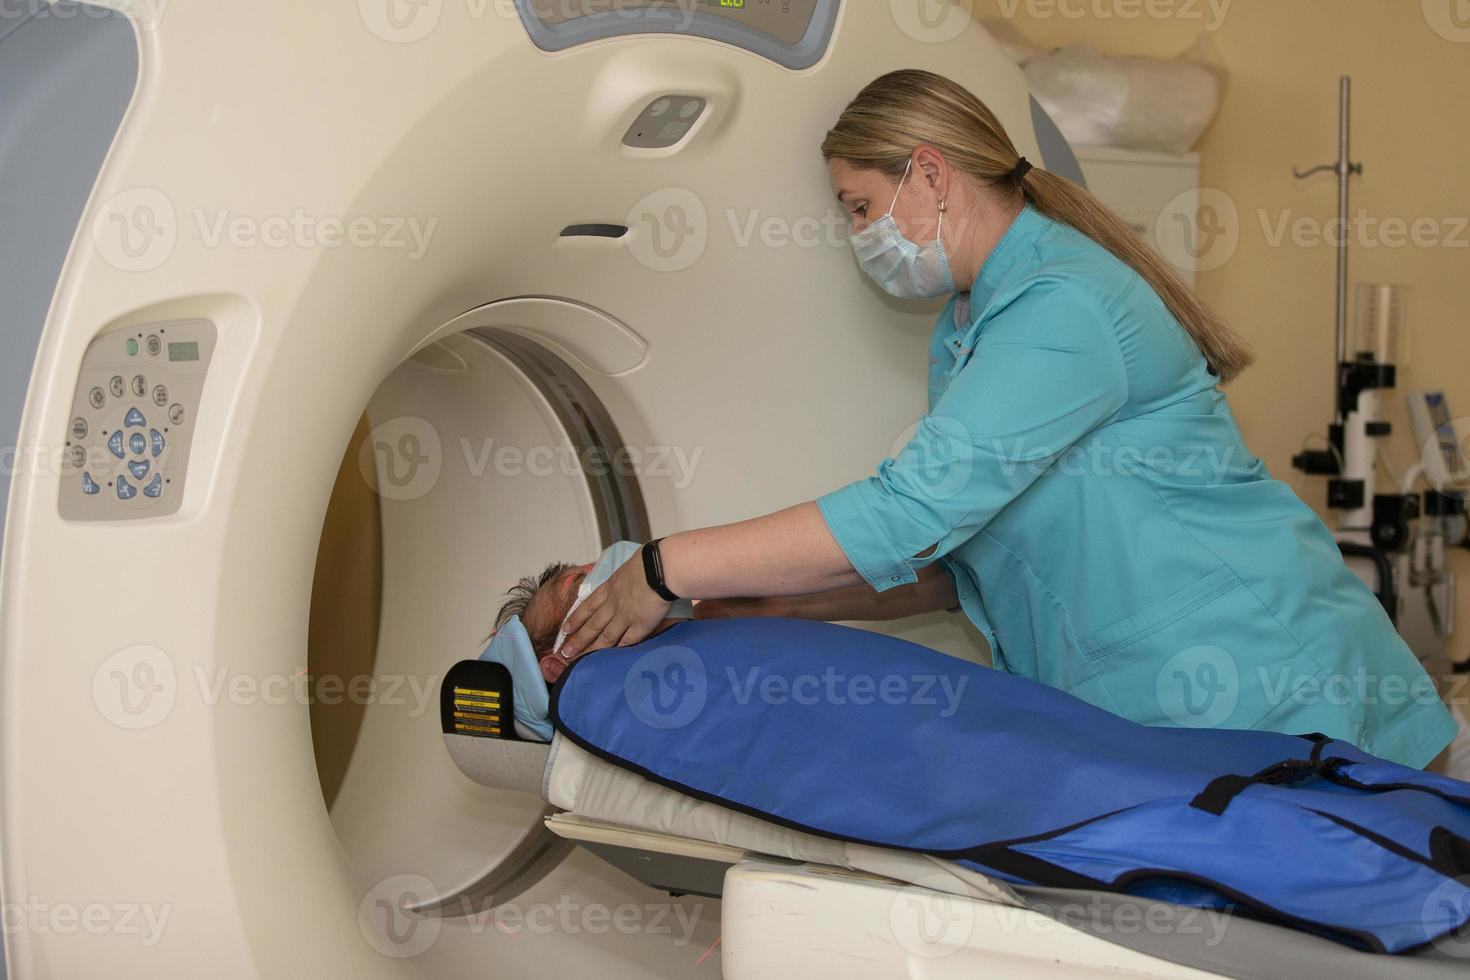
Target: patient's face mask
point(900, 267)
point(607, 563)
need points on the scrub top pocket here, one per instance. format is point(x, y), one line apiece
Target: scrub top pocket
point(1211, 655)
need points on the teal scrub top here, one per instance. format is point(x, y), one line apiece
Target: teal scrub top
point(1081, 477)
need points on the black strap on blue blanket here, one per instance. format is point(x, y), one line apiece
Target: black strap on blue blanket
point(1215, 797)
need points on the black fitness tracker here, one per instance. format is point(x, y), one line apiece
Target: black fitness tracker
point(653, 570)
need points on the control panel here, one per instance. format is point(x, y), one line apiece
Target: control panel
point(132, 421)
point(794, 33)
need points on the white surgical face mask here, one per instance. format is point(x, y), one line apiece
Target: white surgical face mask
point(900, 267)
point(607, 563)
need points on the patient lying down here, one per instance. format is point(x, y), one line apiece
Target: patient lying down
point(528, 636)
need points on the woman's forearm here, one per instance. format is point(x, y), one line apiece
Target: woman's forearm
point(788, 553)
point(812, 578)
point(933, 592)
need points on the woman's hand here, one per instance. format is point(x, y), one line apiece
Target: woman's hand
point(620, 611)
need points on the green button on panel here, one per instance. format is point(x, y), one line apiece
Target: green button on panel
point(132, 347)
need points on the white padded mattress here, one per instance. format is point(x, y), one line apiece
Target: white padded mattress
point(580, 783)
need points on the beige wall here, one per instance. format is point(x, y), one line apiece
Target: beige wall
point(1411, 122)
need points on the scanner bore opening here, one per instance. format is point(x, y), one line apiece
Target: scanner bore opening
point(410, 572)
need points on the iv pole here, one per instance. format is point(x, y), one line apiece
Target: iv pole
point(1344, 168)
point(1358, 377)
point(1357, 381)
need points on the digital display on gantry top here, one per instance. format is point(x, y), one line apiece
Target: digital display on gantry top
point(785, 21)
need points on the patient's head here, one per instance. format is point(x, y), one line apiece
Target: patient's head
point(543, 601)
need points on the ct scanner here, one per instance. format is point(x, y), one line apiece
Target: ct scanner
point(374, 308)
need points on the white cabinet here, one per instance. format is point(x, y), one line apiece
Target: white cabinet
point(1156, 193)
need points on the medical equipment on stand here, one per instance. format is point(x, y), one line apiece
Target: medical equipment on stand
point(1371, 525)
point(1444, 466)
point(1405, 536)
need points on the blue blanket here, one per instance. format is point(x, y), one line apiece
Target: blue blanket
point(856, 735)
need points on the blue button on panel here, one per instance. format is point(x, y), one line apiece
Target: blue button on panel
point(114, 443)
point(125, 490)
point(158, 442)
point(139, 468)
point(137, 444)
point(154, 489)
point(135, 417)
point(89, 485)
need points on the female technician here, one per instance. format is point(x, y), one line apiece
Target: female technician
point(1079, 485)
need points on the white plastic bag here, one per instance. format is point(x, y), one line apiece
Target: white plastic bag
point(1131, 102)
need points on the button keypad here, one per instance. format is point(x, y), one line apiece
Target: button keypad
point(129, 433)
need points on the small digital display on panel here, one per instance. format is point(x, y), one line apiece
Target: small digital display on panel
point(784, 20)
point(183, 350)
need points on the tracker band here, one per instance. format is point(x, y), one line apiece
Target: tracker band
point(653, 571)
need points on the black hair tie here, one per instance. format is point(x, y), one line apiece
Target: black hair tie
point(1021, 169)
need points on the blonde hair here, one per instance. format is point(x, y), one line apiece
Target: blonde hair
point(903, 109)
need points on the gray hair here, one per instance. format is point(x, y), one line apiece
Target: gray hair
point(519, 596)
